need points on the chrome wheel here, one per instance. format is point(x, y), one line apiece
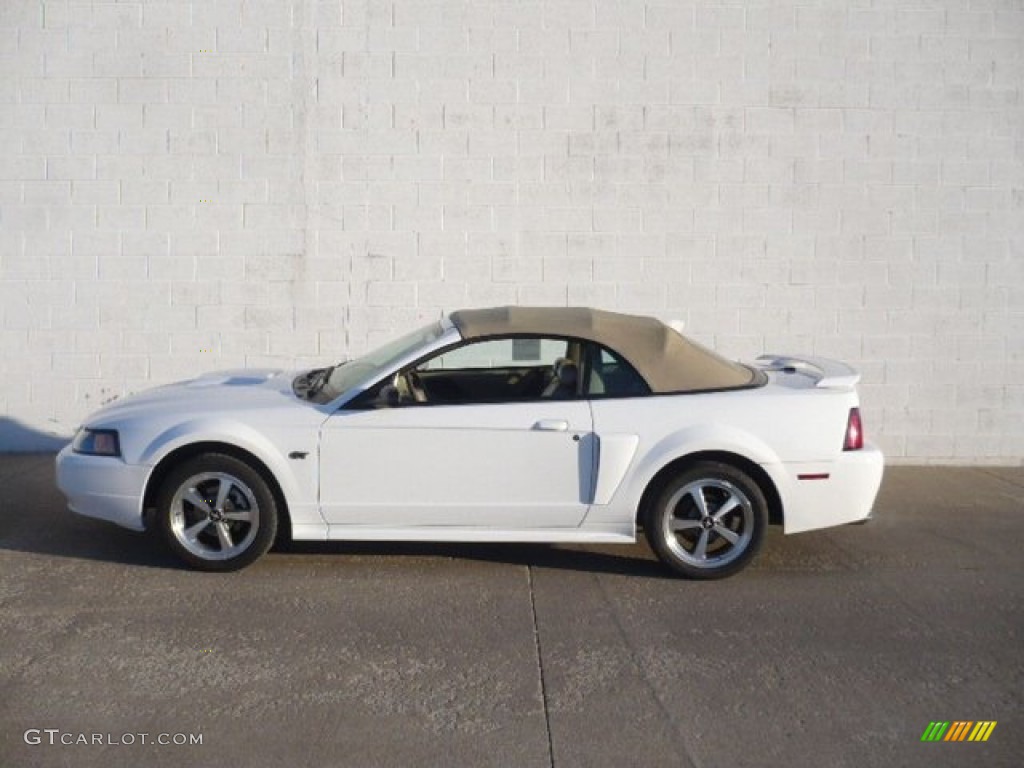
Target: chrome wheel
point(708, 523)
point(214, 516)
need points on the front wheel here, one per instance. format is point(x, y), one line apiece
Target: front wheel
point(217, 513)
point(707, 522)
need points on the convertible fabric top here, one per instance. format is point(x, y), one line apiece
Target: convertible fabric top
point(667, 360)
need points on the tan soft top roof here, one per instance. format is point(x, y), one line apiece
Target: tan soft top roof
point(667, 360)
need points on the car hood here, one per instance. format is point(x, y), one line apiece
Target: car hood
point(220, 391)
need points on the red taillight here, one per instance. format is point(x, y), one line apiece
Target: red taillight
point(854, 432)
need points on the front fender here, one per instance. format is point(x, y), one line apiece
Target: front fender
point(231, 433)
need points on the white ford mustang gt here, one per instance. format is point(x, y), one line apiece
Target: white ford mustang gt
point(512, 424)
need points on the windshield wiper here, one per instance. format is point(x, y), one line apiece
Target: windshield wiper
point(310, 383)
point(318, 379)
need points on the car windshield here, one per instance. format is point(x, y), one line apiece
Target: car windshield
point(347, 375)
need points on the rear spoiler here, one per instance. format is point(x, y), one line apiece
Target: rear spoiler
point(827, 374)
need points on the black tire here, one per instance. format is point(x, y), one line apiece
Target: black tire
point(732, 529)
point(246, 518)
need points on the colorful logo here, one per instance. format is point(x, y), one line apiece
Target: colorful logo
point(959, 730)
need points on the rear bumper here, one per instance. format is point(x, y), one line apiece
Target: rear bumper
point(826, 494)
point(103, 487)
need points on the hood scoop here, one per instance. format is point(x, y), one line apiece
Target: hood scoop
point(236, 378)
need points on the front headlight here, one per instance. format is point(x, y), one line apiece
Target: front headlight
point(97, 442)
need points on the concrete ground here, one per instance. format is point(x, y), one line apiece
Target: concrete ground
point(835, 648)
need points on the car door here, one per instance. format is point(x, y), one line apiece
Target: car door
point(520, 461)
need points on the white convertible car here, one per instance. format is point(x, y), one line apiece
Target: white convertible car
point(512, 424)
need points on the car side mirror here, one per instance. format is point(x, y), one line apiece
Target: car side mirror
point(388, 397)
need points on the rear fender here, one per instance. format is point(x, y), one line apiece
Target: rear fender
point(698, 439)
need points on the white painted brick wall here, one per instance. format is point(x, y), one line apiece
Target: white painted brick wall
point(194, 185)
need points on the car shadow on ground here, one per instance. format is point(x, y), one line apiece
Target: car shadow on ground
point(85, 540)
point(634, 560)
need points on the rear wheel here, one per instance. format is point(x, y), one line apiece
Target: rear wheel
point(217, 513)
point(707, 522)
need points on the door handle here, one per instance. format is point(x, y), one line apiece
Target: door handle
point(552, 425)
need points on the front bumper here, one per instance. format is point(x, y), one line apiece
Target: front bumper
point(103, 487)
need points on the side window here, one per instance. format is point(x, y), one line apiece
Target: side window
point(501, 370)
point(611, 376)
point(499, 353)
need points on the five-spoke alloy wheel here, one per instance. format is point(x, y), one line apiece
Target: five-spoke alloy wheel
point(217, 513)
point(707, 522)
